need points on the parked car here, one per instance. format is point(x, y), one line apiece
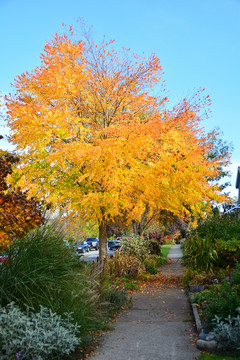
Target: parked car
point(76, 244)
point(114, 244)
point(93, 243)
point(83, 247)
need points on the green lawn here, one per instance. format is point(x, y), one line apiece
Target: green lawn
point(165, 249)
point(216, 357)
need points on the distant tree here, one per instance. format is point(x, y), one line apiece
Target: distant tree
point(221, 150)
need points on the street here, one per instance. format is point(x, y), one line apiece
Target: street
point(91, 256)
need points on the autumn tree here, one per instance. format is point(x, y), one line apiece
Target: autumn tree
point(186, 172)
point(96, 142)
point(18, 214)
point(221, 150)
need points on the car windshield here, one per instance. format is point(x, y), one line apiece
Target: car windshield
point(92, 239)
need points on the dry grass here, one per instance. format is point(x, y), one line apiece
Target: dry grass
point(122, 264)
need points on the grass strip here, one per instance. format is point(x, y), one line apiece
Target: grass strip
point(216, 357)
point(165, 249)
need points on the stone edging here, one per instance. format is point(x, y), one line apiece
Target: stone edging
point(205, 341)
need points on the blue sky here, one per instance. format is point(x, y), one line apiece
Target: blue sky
point(198, 43)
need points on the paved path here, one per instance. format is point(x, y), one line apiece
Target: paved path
point(175, 252)
point(159, 326)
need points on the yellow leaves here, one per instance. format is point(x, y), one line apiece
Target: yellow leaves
point(93, 137)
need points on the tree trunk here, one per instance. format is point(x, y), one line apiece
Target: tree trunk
point(102, 241)
point(137, 227)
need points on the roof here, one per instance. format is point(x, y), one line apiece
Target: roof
point(238, 178)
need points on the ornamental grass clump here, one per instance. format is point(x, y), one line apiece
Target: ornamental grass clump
point(214, 244)
point(199, 253)
point(123, 264)
point(42, 335)
point(43, 271)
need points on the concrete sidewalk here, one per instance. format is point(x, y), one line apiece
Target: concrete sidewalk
point(160, 323)
point(175, 252)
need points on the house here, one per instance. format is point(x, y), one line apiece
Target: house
point(238, 184)
point(230, 207)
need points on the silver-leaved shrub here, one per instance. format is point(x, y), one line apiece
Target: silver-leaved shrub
point(227, 331)
point(42, 335)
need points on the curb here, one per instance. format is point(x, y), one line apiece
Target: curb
point(196, 316)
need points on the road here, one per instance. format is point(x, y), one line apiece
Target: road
point(91, 256)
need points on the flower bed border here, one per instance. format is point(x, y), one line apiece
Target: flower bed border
point(203, 343)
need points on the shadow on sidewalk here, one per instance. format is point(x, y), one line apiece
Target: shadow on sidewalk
point(158, 326)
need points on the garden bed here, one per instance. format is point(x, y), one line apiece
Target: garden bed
point(206, 341)
point(216, 310)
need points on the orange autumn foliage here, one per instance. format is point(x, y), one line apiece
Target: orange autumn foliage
point(18, 214)
point(94, 140)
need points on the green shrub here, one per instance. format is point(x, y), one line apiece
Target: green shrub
point(202, 297)
point(113, 298)
point(219, 300)
point(193, 277)
point(114, 294)
point(142, 247)
point(199, 253)
point(42, 271)
point(235, 276)
point(227, 331)
point(214, 244)
point(127, 283)
point(211, 356)
point(41, 335)
point(155, 243)
point(150, 264)
point(137, 247)
point(226, 226)
point(161, 260)
point(228, 251)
